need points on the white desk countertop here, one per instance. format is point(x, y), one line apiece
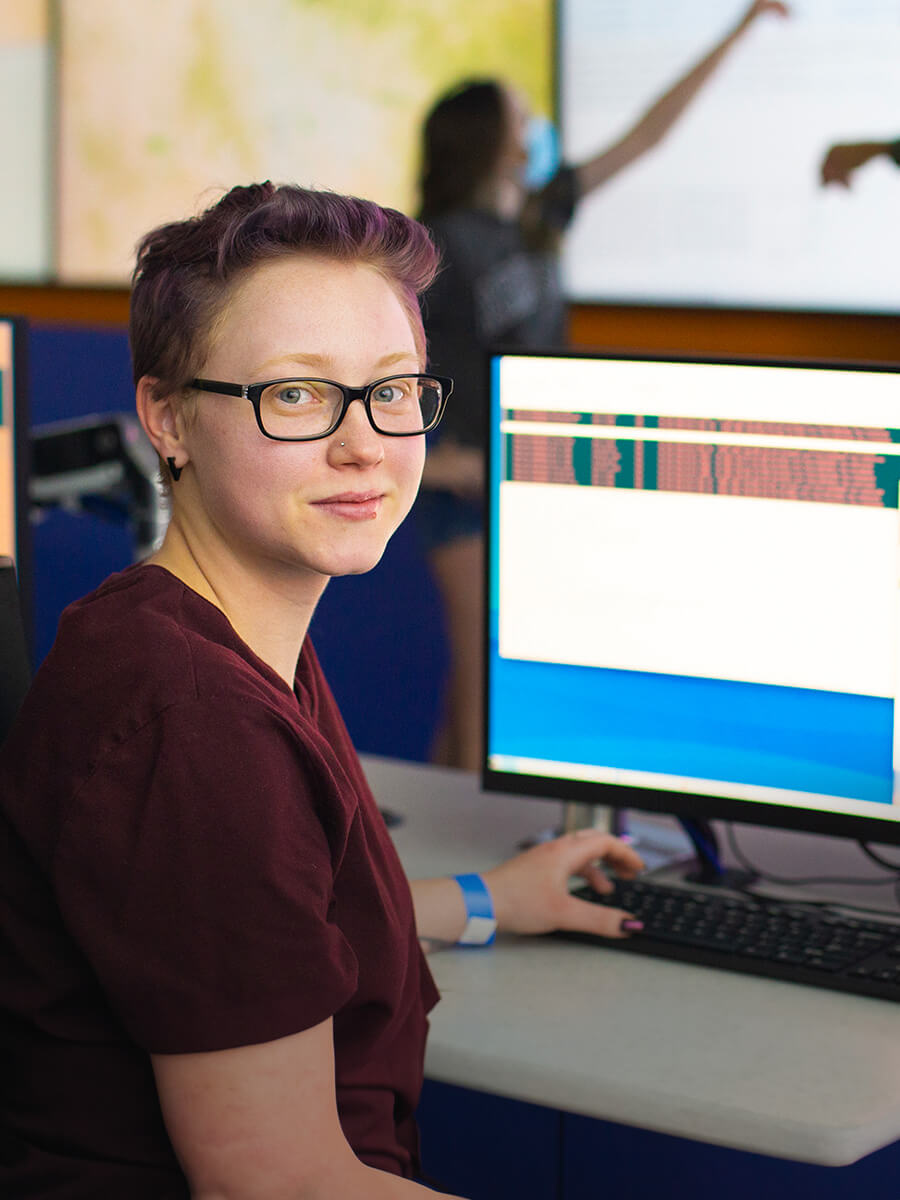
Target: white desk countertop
point(737, 1060)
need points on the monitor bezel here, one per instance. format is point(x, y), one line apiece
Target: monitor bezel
point(22, 466)
point(699, 805)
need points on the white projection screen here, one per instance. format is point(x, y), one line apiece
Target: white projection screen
point(729, 210)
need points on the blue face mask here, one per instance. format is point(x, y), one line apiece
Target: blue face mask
point(542, 145)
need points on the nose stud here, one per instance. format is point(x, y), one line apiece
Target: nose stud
point(343, 443)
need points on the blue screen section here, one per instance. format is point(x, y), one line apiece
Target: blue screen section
point(829, 743)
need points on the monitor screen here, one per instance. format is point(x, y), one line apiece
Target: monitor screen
point(14, 434)
point(729, 209)
point(694, 587)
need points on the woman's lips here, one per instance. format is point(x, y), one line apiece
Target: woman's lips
point(353, 506)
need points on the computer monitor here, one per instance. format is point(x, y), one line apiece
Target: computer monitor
point(694, 588)
point(15, 539)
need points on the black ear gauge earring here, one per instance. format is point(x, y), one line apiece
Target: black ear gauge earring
point(175, 471)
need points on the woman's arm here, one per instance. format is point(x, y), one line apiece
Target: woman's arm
point(530, 892)
point(662, 115)
point(260, 1122)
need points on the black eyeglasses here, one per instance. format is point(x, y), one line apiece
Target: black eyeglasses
point(302, 410)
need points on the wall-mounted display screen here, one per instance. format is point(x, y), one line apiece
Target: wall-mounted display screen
point(729, 208)
point(164, 105)
point(25, 116)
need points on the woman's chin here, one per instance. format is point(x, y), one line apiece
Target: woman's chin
point(357, 562)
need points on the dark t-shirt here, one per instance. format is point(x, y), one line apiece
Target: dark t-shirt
point(190, 859)
point(493, 288)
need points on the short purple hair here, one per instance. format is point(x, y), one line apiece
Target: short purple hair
point(185, 269)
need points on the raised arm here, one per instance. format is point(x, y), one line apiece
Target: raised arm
point(260, 1123)
point(663, 114)
point(530, 892)
point(844, 158)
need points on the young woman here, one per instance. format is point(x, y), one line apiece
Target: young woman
point(212, 977)
point(499, 284)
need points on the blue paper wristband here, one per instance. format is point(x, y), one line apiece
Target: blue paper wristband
point(481, 924)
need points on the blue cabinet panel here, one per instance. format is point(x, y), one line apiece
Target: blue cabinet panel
point(487, 1148)
point(601, 1158)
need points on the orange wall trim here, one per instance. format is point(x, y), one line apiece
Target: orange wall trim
point(845, 336)
point(66, 305)
point(861, 337)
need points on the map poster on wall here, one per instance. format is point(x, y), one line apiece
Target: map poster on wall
point(164, 105)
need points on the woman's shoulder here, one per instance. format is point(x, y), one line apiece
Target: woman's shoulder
point(144, 616)
point(140, 644)
point(139, 666)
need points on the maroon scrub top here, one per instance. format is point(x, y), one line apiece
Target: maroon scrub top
point(190, 859)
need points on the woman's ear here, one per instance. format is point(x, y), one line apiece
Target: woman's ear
point(160, 416)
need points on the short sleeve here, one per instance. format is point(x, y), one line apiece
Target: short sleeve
point(195, 871)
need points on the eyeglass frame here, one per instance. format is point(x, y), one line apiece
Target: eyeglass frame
point(253, 392)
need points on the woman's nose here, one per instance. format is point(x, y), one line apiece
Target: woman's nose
point(355, 438)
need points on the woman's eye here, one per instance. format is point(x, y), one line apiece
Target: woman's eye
point(294, 395)
point(389, 392)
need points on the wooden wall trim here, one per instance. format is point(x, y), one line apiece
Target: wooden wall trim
point(66, 305)
point(845, 336)
point(860, 337)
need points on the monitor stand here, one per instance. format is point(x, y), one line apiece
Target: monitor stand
point(708, 869)
point(659, 844)
point(574, 817)
point(694, 848)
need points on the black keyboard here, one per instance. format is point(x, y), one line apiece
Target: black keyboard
point(778, 938)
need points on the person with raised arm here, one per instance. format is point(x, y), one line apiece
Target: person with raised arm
point(499, 284)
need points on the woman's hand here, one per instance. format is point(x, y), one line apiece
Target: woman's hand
point(759, 8)
point(843, 159)
point(531, 891)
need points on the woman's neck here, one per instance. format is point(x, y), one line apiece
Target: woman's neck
point(268, 606)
